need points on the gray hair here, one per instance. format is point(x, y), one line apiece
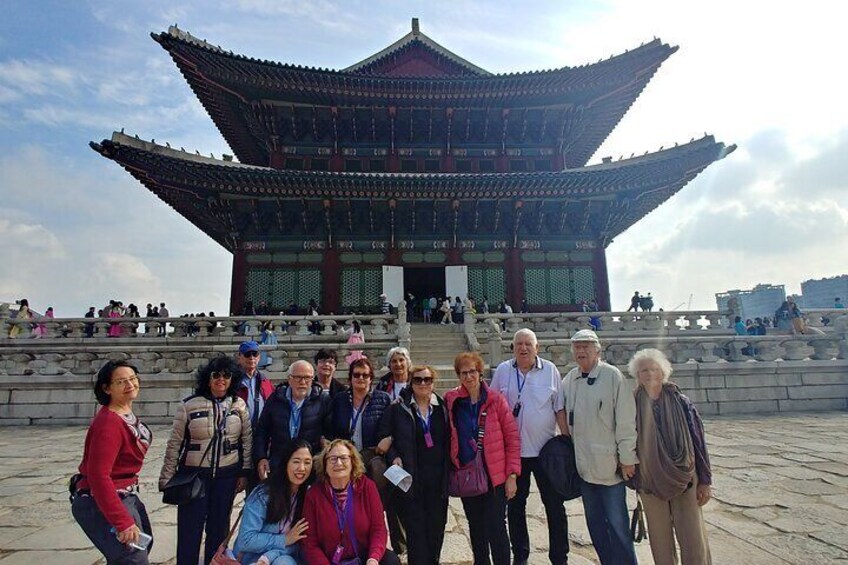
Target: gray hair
point(526, 332)
point(402, 351)
point(649, 354)
point(301, 362)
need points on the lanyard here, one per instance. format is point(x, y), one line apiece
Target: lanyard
point(295, 418)
point(425, 423)
point(475, 411)
point(354, 417)
point(519, 383)
point(342, 516)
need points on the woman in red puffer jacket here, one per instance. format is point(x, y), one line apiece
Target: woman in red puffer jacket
point(466, 405)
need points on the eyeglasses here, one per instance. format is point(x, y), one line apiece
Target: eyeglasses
point(300, 378)
point(122, 383)
point(328, 361)
point(422, 380)
point(339, 459)
point(363, 376)
point(251, 354)
point(469, 373)
point(222, 376)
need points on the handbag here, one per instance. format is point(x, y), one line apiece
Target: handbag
point(186, 484)
point(224, 556)
point(471, 479)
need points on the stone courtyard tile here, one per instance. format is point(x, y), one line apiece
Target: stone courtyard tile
point(38, 515)
point(811, 487)
point(80, 557)
point(802, 457)
point(727, 548)
point(60, 537)
point(833, 535)
point(831, 467)
point(802, 549)
point(9, 534)
point(798, 472)
point(840, 500)
point(767, 460)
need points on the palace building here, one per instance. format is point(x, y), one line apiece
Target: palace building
point(412, 171)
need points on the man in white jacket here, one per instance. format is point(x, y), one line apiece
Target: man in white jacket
point(601, 414)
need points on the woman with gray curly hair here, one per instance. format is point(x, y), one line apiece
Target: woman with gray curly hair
point(674, 475)
point(399, 362)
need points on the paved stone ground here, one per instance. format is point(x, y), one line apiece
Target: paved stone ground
point(780, 496)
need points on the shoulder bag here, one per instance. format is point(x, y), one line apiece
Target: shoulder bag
point(471, 479)
point(187, 484)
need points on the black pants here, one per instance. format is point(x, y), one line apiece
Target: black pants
point(554, 510)
point(486, 516)
point(424, 518)
point(95, 526)
point(212, 510)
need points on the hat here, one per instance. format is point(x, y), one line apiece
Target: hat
point(586, 335)
point(248, 346)
point(383, 296)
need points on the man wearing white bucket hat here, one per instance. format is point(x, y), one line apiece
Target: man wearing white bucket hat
point(602, 419)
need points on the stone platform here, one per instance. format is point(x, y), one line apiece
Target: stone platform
point(780, 496)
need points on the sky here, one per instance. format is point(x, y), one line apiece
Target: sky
point(76, 230)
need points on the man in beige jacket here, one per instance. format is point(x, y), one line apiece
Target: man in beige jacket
point(602, 419)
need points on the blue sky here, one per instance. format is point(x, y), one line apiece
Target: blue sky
point(76, 230)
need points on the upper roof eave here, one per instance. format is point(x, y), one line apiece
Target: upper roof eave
point(181, 36)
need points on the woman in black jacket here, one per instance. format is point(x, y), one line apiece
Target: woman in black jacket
point(418, 425)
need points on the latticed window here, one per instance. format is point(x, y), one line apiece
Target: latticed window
point(487, 282)
point(361, 288)
point(279, 287)
point(558, 285)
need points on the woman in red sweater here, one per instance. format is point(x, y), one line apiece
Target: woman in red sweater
point(470, 406)
point(345, 508)
point(104, 500)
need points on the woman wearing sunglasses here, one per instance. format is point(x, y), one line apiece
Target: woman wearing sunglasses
point(211, 431)
point(418, 425)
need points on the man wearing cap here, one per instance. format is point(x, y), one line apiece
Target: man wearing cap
point(325, 361)
point(255, 389)
point(296, 410)
point(533, 388)
point(602, 421)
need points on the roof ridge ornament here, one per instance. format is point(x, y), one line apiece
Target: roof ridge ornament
point(415, 28)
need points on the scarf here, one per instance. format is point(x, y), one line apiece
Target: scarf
point(664, 444)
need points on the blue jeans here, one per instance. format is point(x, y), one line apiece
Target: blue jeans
point(609, 526)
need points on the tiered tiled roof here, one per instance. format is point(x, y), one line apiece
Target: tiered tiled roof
point(229, 86)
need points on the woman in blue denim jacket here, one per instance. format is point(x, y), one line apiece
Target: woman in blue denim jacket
point(273, 525)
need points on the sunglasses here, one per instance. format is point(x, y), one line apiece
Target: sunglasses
point(222, 376)
point(363, 376)
point(422, 380)
point(251, 354)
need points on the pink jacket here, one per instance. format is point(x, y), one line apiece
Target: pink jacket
point(501, 440)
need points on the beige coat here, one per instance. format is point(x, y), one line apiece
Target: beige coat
point(203, 415)
point(604, 422)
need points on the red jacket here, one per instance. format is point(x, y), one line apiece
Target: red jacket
point(111, 460)
point(266, 389)
point(501, 440)
point(323, 536)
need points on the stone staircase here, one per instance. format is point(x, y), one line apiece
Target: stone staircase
point(437, 345)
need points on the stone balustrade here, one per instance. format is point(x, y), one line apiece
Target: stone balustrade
point(285, 328)
point(707, 322)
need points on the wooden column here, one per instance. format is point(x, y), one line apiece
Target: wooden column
point(238, 286)
point(331, 290)
point(514, 278)
point(599, 267)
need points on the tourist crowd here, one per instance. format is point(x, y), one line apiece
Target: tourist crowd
point(326, 462)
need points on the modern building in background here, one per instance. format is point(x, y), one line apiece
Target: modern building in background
point(758, 302)
point(412, 171)
point(820, 293)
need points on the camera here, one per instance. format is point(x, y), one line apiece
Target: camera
point(516, 410)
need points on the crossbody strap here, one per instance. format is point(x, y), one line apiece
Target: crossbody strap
point(481, 430)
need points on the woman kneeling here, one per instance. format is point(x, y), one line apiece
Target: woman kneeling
point(346, 504)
